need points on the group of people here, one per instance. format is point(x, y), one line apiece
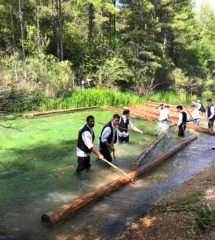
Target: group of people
point(87, 81)
point(107, 139)
point(183, 118)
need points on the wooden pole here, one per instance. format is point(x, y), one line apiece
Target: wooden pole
point(185, 108)
point(69, 209)
point(118, 169)
point(131, 130)
point(149, 149)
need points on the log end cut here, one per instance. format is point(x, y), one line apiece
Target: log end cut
point(45, 219)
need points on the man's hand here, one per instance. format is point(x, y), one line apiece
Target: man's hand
point(141, 132)
point(101, 157)
point(112, 148)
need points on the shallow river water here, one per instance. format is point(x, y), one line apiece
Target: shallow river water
point(37, 168)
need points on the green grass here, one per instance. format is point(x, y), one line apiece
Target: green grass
point(101, 97)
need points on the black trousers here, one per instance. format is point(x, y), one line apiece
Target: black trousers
point(181, 130)
point(106, 153)
point(124, 139)
point(211, 123)
point(83, 162)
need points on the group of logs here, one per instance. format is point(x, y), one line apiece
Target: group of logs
point(139, 109)
point(69, 209)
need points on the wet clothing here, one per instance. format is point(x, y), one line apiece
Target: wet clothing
point(108, 134)
point(210, 114)
point(85, 144)
point(124, 134)
point(182, 120)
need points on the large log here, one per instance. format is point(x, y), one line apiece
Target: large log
point(69, 209)
point(56, 111)
point(149, 149)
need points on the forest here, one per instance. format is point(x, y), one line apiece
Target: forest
point(144, 46)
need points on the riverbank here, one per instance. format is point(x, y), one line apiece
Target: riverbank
point(187, 213)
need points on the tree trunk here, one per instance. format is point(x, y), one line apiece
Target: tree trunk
point(57, 31)
point(114, 20)
point(90, 26)
point(101, 38)
point(60, 30)
point(39, 37)
point(22, 28)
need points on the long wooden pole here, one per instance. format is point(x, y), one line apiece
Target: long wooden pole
point(185, 107)
point(149, 149)
point(69, 209)
point(118, 169)
point(131, 130)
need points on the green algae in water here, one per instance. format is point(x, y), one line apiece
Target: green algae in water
point(41, 161)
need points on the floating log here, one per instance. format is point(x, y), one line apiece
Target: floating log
point(73, 207)
point(149, 149)
point(56, 111)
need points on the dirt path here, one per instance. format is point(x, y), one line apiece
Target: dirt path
point(187, 213)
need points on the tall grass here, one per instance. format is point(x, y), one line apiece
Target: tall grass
point(101, 97)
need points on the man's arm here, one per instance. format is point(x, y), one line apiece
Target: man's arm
point(133, 127)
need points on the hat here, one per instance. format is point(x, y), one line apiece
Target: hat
point(198, 101)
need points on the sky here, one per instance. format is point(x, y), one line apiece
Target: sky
point(199, 2)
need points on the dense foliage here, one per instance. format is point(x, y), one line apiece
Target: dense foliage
point(49, 46)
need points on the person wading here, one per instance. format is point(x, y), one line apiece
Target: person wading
point(200, 105)
point(182, 120)
point(164, 114)
point(85, 145)
point(108, 138)
point(124, 122)
point(210, 113)
point(195, 115)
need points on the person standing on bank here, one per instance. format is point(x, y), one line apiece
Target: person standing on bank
point(182, 121)
point(123, 123)
point(195, 115)
point(89, 82)
point(85, 145)
point(210, 113)
point(108, 138)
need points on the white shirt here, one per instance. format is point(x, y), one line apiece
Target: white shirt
point(88, 141)
point(106, 133)
point(125, 134)
point(164, 114)
point(180, 118)
point(195, 114)
point(212, 112)
point(198, 104)
point(89, 79)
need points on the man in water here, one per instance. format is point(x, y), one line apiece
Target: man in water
point(210, 113)
point(182, 120)
point(195, 115)
point(123, 125)
point(85, 145)
point(200, 105)
point(108, 138)
point(164, 114)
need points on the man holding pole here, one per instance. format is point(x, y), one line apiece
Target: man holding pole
point(85, 145)
point(108, 138)
point(123, 125)
point(210, 113)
